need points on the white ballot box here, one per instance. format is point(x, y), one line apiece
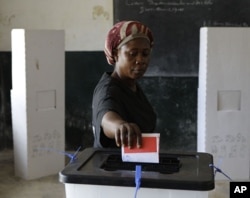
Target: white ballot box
point(98, 173)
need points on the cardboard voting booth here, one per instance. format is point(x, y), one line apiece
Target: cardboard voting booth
point(223, 99)
point(38, 101)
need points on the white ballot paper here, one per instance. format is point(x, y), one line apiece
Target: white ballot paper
point(149, 152)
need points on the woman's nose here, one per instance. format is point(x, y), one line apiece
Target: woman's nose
point(140, 59)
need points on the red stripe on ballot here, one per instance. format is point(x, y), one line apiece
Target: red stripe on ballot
point(149, 145)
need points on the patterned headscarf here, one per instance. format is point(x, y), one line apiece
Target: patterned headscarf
point(121, 33)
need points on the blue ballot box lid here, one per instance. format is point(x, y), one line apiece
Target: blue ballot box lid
point(184, 171)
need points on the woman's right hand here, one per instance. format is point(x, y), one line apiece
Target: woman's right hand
point(124, 133)
point(128, 134)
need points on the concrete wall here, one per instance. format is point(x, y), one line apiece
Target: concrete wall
point(85, 22)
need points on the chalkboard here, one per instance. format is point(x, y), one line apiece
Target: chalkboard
point(83, 71)
point(174, 100)
point(176, 24)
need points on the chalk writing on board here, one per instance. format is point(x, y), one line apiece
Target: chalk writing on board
point(48, 139)
point(224, 24)
point(229, 146)
point(163, 6)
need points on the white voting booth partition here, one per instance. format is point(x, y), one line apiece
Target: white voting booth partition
point(38, 101)
point(224, 99)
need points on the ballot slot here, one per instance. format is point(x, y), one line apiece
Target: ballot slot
point(167, 165)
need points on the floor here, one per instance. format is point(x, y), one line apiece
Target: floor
point(49, 187)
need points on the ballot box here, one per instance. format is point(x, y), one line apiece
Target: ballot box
point(100, 173)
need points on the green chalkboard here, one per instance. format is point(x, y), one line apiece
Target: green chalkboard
point(176, 25)
point(83, 70)
point(175, 102)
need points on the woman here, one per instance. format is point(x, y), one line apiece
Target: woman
point(121, 112)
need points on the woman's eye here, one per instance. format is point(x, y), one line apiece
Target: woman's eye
point(145, 54)
point(133, 53)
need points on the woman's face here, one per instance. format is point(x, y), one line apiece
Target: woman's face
point(132, 59)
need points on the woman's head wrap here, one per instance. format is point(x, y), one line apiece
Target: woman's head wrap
point(121, 33)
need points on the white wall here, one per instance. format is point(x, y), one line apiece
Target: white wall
point(85, 22)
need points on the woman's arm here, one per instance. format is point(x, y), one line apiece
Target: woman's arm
point(123, 132)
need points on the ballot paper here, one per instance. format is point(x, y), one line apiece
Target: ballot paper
point(149, 152)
